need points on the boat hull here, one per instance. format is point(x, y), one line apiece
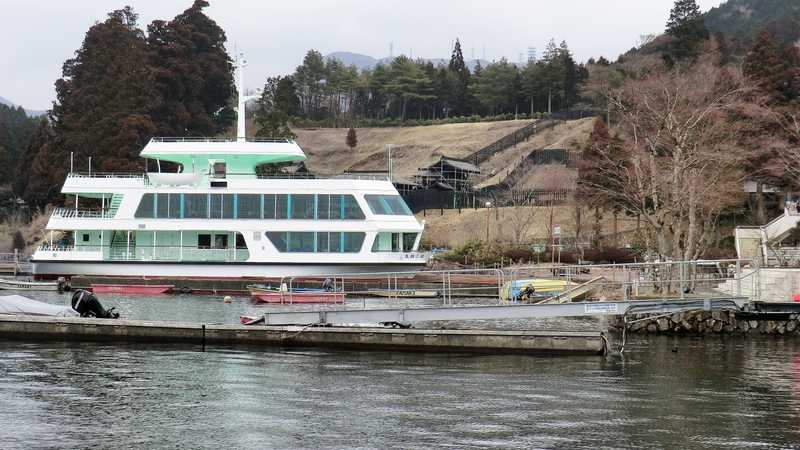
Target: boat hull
point(52, 269)
point(139, 289)
point(403, 293)
point(296, 297)
point(13, 285)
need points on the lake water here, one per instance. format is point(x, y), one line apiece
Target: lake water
point(711, 392)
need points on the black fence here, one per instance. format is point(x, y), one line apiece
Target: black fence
point(510, 140)
point(431, 199)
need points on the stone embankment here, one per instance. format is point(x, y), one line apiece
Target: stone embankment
point(705, 322)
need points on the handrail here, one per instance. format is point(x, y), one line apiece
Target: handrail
point(212, 139)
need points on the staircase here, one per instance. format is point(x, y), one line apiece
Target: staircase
point(511, 140)
point(756, 242)
point(118, 250)
point(113, 206)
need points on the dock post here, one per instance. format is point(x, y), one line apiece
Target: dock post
point(681, 270)
point(738, 276)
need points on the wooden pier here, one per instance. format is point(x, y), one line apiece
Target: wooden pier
point(415, 340)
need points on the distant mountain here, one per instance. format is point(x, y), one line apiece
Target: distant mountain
point(742, 20)
point(367, 62)
point(29, 112)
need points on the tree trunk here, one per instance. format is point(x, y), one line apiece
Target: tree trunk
point(761, 210)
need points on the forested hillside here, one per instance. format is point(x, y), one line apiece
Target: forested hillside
point(741, 21)
point(16, 130)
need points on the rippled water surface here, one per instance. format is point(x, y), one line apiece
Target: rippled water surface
point(665, 392)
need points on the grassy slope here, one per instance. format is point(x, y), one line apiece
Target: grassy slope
point(414, 147)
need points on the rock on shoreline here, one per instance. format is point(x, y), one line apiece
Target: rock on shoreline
point(705, 322)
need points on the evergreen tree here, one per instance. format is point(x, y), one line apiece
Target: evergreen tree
point(460, 94)
point(105, 97)
point(193, 74)
point(764, 65)
point(271, 120)
point(687, 29)
point(308, 78)
point(18, 242)
point(352, 139)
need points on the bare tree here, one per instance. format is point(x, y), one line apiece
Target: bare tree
point(680, 164)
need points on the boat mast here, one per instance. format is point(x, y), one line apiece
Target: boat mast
point(240, 110)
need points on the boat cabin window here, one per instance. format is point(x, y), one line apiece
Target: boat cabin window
point(203, 241)
point(394, 242)
point(240, 243)
point(387, 205)
point(250, 206)
point(319, 242)
point(219, 170)
point(85, 237)
point(220, 241)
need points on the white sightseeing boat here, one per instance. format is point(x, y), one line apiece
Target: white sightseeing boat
point(218, 218)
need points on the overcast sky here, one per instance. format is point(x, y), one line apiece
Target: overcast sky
point(36, 36)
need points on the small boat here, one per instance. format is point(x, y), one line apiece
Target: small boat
point(403, 293)
point(295, 295)
point(21, 285)
point(139, 289)
point(542, 288)
point(18, 305)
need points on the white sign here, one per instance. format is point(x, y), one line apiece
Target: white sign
point(600, 308)
point(557, 231)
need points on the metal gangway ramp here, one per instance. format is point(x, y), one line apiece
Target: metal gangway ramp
point(499, 312)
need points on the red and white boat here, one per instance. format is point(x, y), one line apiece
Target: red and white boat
point(140, 289)
point(288, 297)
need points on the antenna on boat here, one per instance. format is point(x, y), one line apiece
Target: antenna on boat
point(241, 63)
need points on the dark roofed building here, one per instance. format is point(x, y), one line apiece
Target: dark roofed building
point(448, 174)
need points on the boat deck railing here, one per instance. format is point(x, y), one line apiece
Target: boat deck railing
point(220, 139)
point(232, 176)
point(72, 213)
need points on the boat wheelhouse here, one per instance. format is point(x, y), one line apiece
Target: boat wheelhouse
point(219, 217)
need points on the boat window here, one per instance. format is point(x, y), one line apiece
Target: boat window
point(196, 206)
point(279, 239)
point(85, 237)
point(221, 206)
point(351, 209)
point(408, 241)
point(162, 206)
point(352, 242)
point(203, 241)
point(240, 243)
point(219, 170)
point(227, 206)
point(335, 242)
point(323, 206)
point(320, 242)
point(302, 206)
point(282, 206)
point(269, 206)
point(175, 206)
point(248, 206)
point(220, 241)
point(301, 242)
point(145, 208)
point(387, 205)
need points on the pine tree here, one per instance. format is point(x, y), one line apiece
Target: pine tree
point(18, 241)
point(687, 29)
point(352, 139)
point(193, 74)
point(271, 120)
point(461, 94)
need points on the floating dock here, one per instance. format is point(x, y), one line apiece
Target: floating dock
point(451, 341)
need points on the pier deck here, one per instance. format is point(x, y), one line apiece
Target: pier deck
point(455, 341)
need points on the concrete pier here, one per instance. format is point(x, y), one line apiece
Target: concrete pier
point(480, 341)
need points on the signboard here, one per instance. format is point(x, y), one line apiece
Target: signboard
point(600, 308)
point(557, 230)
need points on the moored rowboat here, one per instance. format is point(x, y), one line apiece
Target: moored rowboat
point(143, 289)
point(296, 296)
point(20, 285)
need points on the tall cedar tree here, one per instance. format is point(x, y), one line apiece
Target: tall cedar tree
point(460, 100)
point(687, 29)
point(352, 139)
point(39, 182)
point(193, 73)
point(105, 97)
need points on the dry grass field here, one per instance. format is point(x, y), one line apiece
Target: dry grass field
point(413, 147)
point(452, 228)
